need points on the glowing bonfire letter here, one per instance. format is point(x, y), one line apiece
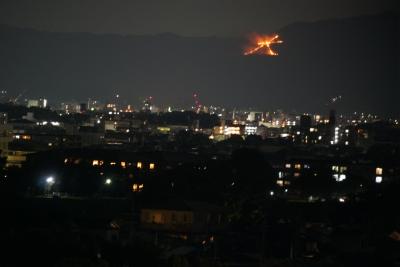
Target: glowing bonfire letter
point(261, 45)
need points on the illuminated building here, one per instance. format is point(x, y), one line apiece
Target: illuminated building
point(137, 188)
point(232, 130)
point(250, 129)
point(147, 104)
point(378, 173)
point(336, 136)
point(339, 172)
point(183, 217)
point(39, 103)
point(255, 116)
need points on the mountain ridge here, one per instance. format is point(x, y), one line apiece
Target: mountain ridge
point(171, 67)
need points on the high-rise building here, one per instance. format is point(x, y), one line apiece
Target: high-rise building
point(38, 103)
point(305, 122)
point(83, 107)
point(147, 104)
point(332, 117)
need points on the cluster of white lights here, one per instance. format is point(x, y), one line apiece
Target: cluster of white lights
point(336, 138)
point(232, 130)
point(53, 123)
point(250, 129)
point(339, 177)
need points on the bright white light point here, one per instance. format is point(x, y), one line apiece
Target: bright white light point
point(271, 193)
point(108, 181)
point(50, 180)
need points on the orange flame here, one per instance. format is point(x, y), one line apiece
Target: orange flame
point(261, 45)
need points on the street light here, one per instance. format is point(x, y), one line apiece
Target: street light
point(50, 180)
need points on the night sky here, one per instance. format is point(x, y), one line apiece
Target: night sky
point(330, 48)
point(183, 17)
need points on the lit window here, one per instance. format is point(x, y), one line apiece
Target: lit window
point(339, 177)
point(137, 187)
point(288, 165)
point(297, 166)
point(343, 169)
point(335, 168)
point(152, 166)
point(279, 182)
point(113, 163)
point(296, 174)
point(123, 164)
point(95, 162)
point(280, 174)
point(378, 171)
point(378, 179)
point(139, 165)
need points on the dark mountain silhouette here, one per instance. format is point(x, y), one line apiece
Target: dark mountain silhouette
point(357, 58)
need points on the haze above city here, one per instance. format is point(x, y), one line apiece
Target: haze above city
point(187, 18)
point(347, 48)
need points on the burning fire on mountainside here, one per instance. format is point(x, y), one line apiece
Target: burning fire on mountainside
point(261, 44)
